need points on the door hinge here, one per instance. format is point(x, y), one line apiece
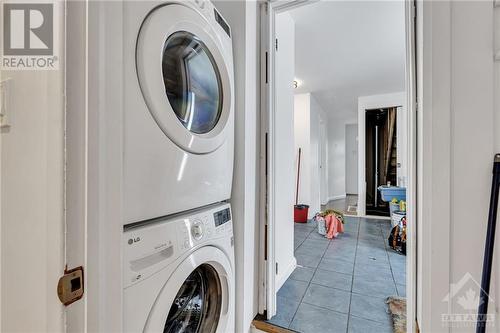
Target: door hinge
point(267, 68)
point(70, 286)
point(5, 108)
point(276, 44)
point(276, 268)
point(265, 242)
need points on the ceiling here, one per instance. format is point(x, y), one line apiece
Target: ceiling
point(347, 49)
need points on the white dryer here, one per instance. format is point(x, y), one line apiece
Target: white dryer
point(179, 274)
point(179, 108)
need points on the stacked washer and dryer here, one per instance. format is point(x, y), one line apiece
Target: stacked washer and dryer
point(178, 164)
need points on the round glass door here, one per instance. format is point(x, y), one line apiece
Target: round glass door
point(197, 305)
point(192, 82)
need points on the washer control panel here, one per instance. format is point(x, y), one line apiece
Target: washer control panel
point(152, 245)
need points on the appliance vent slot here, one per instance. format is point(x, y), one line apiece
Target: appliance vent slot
point(222, 23)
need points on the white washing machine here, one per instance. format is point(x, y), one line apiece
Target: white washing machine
point(179, 108)
point(179, 274)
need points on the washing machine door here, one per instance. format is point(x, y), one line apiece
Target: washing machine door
point(186, 77)
point(197, 297)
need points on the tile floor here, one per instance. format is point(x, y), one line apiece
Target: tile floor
point(341, 285)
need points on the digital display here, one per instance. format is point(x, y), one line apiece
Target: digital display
point(222, 217)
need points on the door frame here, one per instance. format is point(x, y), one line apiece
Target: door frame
point(367, 104)
point(94, 152)
point(267, 292)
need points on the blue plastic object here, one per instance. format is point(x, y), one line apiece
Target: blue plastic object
point(390, 192)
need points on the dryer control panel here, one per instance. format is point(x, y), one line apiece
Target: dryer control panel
point(153, 245)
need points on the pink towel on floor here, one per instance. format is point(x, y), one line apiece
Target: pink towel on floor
point(333, 226)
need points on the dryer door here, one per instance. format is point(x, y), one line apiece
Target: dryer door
point(197, 297)
point(186, 77)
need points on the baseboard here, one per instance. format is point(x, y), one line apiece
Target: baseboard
point(337, 197)
point(287, 271)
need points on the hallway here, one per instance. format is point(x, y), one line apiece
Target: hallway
point(341, 285)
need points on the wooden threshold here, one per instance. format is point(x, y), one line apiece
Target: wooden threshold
point(268, 327)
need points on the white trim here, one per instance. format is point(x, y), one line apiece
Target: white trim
point(94, 137)
point(411, 166)
point(267, 299)
point(337, 197)
point(368, 103)
point(281, 278)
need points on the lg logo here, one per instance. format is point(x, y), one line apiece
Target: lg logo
point(28, 29)
point(134, 240)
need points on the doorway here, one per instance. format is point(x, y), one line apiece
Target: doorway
point(359, 228)
point(381, 157)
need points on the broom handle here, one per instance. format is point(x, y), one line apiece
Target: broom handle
point(298, 177)
point(488, 249)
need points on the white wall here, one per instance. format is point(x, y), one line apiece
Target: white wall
point(456, 117)
point(32, 204)
point(32, 201)
point(303, 140)
point(317, 116)
point(242, 17)
point(351, 159)
point(309, 116)
point(337, 155)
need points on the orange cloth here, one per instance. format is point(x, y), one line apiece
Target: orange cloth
point(333, 226)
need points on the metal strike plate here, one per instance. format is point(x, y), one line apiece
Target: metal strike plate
point(70, 286)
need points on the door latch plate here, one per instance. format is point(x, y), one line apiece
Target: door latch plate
point(70, 286)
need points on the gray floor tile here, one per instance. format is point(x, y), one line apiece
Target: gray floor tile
point(401, 290)
point(303, 226)
point(307, 261)
point(317, 236)
point(298, 242)
point(337, 265)
point(302, 274)
point(319, 290)
point(347, 236)
point(372, 244)
point(346, 254)
point(301, 233)
point(360, 325)
point(332, 279)
point(399, 275)
point(373, 285)
point(371, 308)
point(373, 268)
point(312, 319)
point(330, 298)
point(319, 244)
point(293, 289)
point(374, 257)
point(304, 249)
point(286, 309)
